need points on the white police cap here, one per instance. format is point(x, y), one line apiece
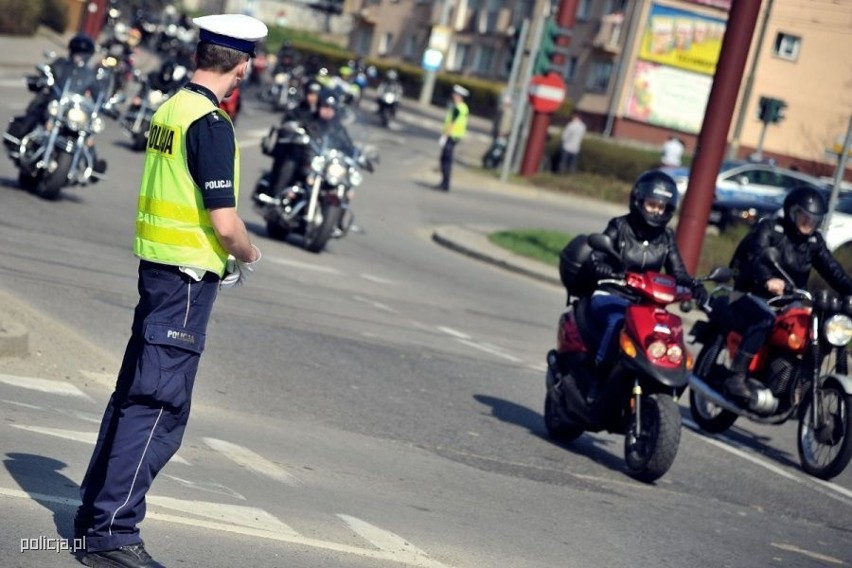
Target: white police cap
point(459, 90)
point(237, 31)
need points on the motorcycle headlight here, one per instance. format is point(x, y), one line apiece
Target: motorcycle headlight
point(335, 172)
point(838, 330)
point(388, 98)
point(155, 97)
point(97, 124)
point(317, 163)
point(280, 78)
point(53, 108)
point(76, 118)
point(355, 177)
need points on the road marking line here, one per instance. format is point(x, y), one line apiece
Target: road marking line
point(492, 349)
point(240, 515)
point(832, 490)
point(541, 367)
point(60, 388)
point(304, 265)
point(814, 555)
point(90, 438)
point(377, 305)
point(23, 404)
point(388, 541)
point(378, 279)
point(216, 488)
point(453, 332)
point(250, 460)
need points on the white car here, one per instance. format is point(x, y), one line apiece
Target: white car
point(839, 232)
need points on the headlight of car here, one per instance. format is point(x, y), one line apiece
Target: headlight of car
point(838, 330)
point(53, 108)
point(355, 177)
point(335, 172)
point(76, 118)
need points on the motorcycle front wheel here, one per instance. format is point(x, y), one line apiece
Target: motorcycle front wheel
point(52, 181)
point(650, 454)
point(318, 234)
point(825, 446)
point(707, 415)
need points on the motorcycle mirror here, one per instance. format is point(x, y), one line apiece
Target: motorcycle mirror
point(774, 256)
point(602, 243)
point(719, 274)
point(49, 54)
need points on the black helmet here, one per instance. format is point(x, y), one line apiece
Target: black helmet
point(807, 201)
point(327, 98)
point(658, 186)
point(81, 43)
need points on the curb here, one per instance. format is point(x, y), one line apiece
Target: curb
point(14, 340)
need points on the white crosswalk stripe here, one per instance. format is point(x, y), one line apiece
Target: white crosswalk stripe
point(44, 385)
point(246, 458)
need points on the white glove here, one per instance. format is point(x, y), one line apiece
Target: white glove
point(237, 271)
point(442, 140)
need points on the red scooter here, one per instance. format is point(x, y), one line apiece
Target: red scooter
point(634, 393)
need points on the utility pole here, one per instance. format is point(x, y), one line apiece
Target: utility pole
point(734, 146)
point(429, 76)
point(537, 139)
point(714, 131)
point(520, 100)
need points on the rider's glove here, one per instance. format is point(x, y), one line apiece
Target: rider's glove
point(699, 293)
point(237, 271)
point(603, 271)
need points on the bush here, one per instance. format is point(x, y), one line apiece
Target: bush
point(20, 17)
point(55, 15)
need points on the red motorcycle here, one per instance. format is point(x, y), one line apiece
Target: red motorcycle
point(800, 373)
point(635, 393)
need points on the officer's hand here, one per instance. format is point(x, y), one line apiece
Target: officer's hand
point(775, 286)
point(237, 271)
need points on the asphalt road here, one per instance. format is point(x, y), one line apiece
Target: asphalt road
point(378, 404)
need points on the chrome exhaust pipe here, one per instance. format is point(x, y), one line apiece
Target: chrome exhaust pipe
point(708, 393)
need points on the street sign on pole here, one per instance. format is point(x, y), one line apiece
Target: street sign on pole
point(547, 92)
point(432, 60)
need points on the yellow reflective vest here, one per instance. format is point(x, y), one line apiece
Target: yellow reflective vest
point(172, 225)
point(459, 127)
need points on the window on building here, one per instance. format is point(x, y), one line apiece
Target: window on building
point(598, 79)
point(385, 42)
point(365, 38)
point(787, 46)
point(410, 48)
point(484, 62)
point(584, 9)
point(570, 69)
point(613, 6)
point(458, 57)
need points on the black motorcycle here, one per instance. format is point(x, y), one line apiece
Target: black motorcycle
point(154, 90)
point(59, 152)
point(313, 202)
point(388, 102)
point(493, 157)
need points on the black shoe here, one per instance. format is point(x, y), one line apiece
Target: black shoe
point(130, 556)
point(100, 166)
point(736, 386)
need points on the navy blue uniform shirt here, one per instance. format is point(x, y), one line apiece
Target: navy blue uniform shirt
point(210, 148)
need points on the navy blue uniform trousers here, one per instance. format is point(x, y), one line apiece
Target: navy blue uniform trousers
point(447, 162)
point(146, 416)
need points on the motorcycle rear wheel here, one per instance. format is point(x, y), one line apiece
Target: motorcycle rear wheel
point(26, 181)
point(51, 183)
point(558, 430)
point(707, 415)
point(825, 451)
point(276, 231)
point(650, 455)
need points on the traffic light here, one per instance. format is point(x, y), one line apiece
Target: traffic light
point(771, 110)
point(512, 51)
point(548, 47)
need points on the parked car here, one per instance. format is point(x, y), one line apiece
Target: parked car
point(747, 191)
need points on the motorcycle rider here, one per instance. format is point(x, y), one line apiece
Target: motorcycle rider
point(307, 106)
point(83, 80)
point(390, 85)
point(797, 238)
point(644, 242)
point(288, 163)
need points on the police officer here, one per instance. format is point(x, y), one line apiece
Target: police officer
point(801, 246)
point(190, 242)
point(455, 127)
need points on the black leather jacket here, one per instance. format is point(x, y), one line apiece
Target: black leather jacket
point(638, 254)
point(798, 256)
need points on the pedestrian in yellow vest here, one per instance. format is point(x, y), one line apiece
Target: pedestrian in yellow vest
point(190, 242)
point(455, 126)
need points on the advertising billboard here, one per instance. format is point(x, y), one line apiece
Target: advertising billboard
point(682, 39)
point(668, 97)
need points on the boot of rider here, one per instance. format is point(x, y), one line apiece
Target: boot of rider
point(736, 384)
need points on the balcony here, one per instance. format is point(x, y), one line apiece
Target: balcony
point(608, 38)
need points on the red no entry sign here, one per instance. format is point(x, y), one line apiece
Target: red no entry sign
point(547, 92)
